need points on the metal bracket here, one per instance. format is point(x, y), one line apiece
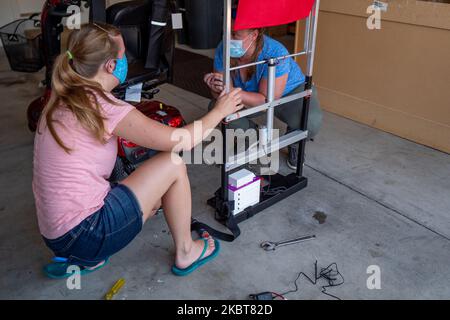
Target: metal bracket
point(298, 136)
point(253, 154)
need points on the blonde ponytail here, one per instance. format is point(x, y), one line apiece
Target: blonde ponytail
point(72, 87)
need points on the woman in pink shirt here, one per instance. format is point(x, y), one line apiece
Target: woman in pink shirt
point(82, 218)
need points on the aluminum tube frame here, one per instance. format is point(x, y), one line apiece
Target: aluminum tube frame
point(309, 51)
point(313, 20)
point(266, 61)
point(253, 154)
point(265, 106)
point(270, 98)
point(313, 37)
point(310, 45)
point(227, 85)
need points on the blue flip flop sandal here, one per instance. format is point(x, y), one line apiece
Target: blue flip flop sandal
point(199, 262)
point(58, 269)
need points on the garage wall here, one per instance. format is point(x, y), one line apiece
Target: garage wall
point(396, 79)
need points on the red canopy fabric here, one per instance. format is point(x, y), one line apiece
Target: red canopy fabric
point(266, 13)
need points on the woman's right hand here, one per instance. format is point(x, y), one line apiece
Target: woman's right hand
point(229, 103)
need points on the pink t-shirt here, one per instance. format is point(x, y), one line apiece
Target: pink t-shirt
point(69, 187)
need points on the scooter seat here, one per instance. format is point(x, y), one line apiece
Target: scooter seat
point(133, 18)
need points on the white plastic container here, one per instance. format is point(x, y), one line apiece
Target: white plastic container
point(244, 189)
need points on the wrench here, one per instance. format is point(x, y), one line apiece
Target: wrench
point(269, 246)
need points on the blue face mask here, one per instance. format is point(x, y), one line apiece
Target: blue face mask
point(237, 48)
point(121, 70)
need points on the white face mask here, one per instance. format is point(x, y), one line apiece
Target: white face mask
point(237, 48)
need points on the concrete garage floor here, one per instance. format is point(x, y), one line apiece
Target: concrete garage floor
point(385, 202)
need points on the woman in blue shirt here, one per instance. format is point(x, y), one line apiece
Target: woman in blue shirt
point(251, 46)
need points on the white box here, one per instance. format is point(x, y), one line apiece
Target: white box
point(241, 177)
point(244, 189)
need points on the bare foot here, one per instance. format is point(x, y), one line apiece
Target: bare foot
point(185, 259)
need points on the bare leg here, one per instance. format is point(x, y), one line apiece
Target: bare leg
point(162, 178)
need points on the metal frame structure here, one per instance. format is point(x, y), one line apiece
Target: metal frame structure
point(292, 182)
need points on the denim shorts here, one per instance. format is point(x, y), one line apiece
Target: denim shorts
point(104, 233)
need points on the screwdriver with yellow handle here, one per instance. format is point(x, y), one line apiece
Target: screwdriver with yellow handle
point(115, 289)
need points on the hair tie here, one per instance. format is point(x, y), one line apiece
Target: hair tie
point(101, 28)
point(69, 54)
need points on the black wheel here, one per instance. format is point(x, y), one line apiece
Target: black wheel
point(119, 173)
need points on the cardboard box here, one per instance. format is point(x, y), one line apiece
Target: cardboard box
point(395, 79)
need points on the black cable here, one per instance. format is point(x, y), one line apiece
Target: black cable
point(331, 274)
point(272, 191)
point(266, 296)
